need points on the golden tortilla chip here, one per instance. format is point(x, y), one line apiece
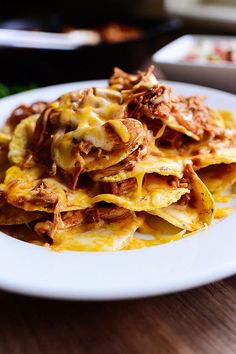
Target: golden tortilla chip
point(197, 213)
point(154, 192)
point(218, 177)
point(150, 164)
point(108, 237)
point(20, 140)
point(27, 189)
point(229, 119)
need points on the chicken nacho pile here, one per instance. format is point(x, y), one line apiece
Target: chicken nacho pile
point(88, 170)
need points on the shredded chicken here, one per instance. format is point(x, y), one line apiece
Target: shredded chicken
point(123, 81)
point(158, 102)
point(106, 214)
point(97, 215)
point(71, 218)
point(155, 125)
point(126, 83)
point(198, 115)
point(184, 182)
point(184, 200)
point(127, 164)
point(23, 111)
point(152, 103)
point(85, 147)
point(121, 188)
point(171, 139)
point(42, 136)
point(44, 228)
point(42, 196)
point(85, 155)
point(178, 182)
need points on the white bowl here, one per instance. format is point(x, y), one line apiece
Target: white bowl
point(170, 59)
point(205, 257)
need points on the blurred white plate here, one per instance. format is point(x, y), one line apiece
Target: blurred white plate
point(194, 261)
point(220, 14)
point(170, 59)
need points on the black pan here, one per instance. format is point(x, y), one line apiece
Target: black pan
point(45, 66)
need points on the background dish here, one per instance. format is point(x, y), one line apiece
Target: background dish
point(170, 59)
point(197, 260)
point(41, 66)
point(204, 12)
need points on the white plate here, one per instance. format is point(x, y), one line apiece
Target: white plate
point(204, 13)
point(197, 260)
point(171, 61)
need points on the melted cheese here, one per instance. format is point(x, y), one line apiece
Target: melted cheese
point(111, 237)
point(156, 193)
point(63, 145)
point(223, 212)
point(186, 216)
point(86, 112)
point(20, 186)
point(94, 107)
point(229, 119)
point(160, 132)
point(173, 124)
point(155, 231)
point(139, 178)
point(5, 138)
point(152, 164)
point(120, 130)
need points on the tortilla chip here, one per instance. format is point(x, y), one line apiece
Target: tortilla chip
point(229, 119)
point(155, 192)
point(20, 140)
point(108, 147)
point(109, 237)
point(27, 189)
point(10, 215)
point(197, 214)
point(218, 177)
point(150, 164)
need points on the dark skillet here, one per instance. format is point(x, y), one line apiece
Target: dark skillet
point(45, 66)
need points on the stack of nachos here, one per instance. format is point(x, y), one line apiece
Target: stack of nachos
point(88, 170)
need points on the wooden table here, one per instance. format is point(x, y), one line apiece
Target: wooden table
point(197, 321)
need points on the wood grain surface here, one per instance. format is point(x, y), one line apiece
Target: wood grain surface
point(202, 320)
